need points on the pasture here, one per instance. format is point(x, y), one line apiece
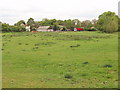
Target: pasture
point(60, 60)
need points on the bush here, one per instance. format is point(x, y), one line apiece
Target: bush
point(12, 28)
point(55, 27)
point(107, 65)
point(86, 63)
point(68, 76)
point(119, 28)
point(93, 29)
point(5, 27)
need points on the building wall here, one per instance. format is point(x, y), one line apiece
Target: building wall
point(28, 28)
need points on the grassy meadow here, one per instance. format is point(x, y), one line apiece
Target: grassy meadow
point(60, 60)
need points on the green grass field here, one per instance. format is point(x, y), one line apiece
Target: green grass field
point(60, 60)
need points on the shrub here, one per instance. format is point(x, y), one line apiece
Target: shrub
point(86, 63)
point(93, 29)
point(68, 76)
point(107, 65)
point(20, 43)
point(84, 75)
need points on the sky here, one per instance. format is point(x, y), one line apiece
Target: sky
point(11, 11)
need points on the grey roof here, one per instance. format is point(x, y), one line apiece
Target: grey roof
point(43, 27)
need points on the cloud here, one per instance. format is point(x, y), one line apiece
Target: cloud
point(12, 11)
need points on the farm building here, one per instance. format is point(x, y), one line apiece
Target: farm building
point(27, 28)
point(44, 29)
point(78, 29)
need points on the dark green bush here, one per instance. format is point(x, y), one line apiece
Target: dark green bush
point(68, 76)
point(107, 65)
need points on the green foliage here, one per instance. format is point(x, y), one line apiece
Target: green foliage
point(0, 26)
point(77, 22)
point(32, 24)
point(68, 76)
point(47, 22)
point(108, 22)
point(64, 29)
point(92, 29)
point(69, 23)
point(94, 22)
point(19, 23)
point(55, 27)
point(30, 21)
point(17, 28)
point(5, 27)
point(12, 28)
point(60, 22)
point(118, 24)
point(66, 23)
point(108, 66)
point(86, 23)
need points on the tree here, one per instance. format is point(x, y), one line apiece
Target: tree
point(36, 24)
point(16, 28)
point(108, 22)
point(5, 27)
point(47, 22)
point(19, 26)
point(77, 22)
point(12, 28)
point(94, 22)
point(31, 23)
point(87, 24)
point(60, 22)
point(118, 24)
point(19, 23)
point(69, 24)
point(55, 27)
point(0, 26)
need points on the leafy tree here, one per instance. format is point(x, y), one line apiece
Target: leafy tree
point(19, 23)
point(66, 23)
point(69, 23)
point(55, 27)
point(16, 28)
point(36, 24)
point(5, 27)
point(21, 28)
point(118, 24)
point(47, 22)
point(108, 22)
point(64, 29)
point(94, 22)
point(60, 22)
point(31, 23)
point(87, 24)
point(12, 28)
point(0, 26)
point(77, 23)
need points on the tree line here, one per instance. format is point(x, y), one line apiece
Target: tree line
point(107, 22)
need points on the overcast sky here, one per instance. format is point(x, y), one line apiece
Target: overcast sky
point(12, 11)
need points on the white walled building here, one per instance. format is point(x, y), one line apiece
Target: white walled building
point(44, 29)
point(28, 28)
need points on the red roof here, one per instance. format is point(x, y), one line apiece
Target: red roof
point(79, 29)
